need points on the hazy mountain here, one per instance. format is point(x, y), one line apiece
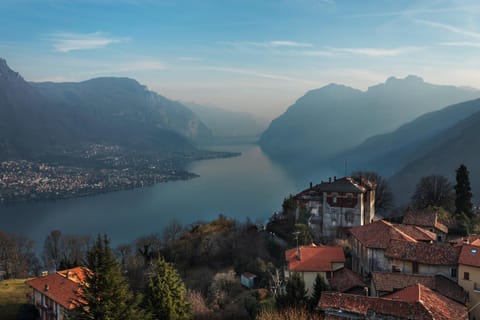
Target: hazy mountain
point(124, 99)
point(334, 118)
point(228, 124)
point(38, 118)
point(444, 153)
point(387, 153)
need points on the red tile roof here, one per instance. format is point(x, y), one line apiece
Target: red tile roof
point(333, 302)
point(416, 302)
point(345, 279)
point(421, 252)
point(313, 258)
point(76, 274)
point(438, 306)
point(392, 281)
point(61, 288)
point(416, 232)
point(377, 234)
point(470, 256)
point(427, 218)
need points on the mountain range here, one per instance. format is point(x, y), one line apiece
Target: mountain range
point(228, 124)
point(40, 118)
point(335, 118)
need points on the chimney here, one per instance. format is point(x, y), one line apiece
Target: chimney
point(67, 274)
point(299, 253)
point(329, 179)
point(46, 287)
point(334, 178)
point(311, 185)
point(466, 240)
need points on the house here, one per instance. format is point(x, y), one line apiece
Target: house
point(311, 260)
point(427, 219)
point(347, 281)
point(423, 258)
point(55, 294)
point(386, 283)
point(415, 302)
point(469, 277)
point(340, 203)
point(247, 279)
point(369, 243)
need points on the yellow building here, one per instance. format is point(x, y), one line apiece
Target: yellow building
point(311, 260)
point(469, 278)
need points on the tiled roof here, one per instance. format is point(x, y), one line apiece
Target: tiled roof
point(421, 252)
point(471, 239)
point(416, 302)
point(392, 281)
point(416, 232)
point(331, 302)
point(345, 279)
point(345, 184)
point(438, 306)
point(427, 218)
point(76, 274)
point(470, 256)
point(313, 258)
point(61, 289)
point(377, 234)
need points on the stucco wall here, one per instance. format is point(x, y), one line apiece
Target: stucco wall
point(468, 285)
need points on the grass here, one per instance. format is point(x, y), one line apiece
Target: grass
point(12, 295)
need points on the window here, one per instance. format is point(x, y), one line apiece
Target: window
point(329, 275)
point(396, 269)
point(466, 276)
point(415, 267)
point(454, 272)
point(349, 217)
point(334, 199)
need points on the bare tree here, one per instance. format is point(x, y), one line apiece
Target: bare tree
point(434, 190)
point(52, 249)
point(383, 193)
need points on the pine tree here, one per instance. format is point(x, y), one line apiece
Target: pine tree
point(463, 199)
point(105, 295)
point(295, 292)
point(318, 286)
point(165, 294)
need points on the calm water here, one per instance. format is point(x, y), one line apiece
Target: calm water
point(250, 185)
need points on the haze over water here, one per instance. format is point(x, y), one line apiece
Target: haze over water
point(250, 185)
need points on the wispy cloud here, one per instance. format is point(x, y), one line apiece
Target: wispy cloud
point(256, 73)
point(377, 52)
point(189, 59)
point(450, 28)
point(317, 53)
point(268, 44)
point(66, 42)
point(461, 44)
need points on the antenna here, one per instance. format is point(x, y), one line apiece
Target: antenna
point(295, 234)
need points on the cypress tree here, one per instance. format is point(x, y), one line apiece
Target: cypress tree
point(463, 199)
point(295, 292)
point(165, 294)
point(318, 286)
point(105, 295)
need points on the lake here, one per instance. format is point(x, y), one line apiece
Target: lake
point(250, 185)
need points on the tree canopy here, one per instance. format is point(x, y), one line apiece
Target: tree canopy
point(463, 194)
point(435, 191)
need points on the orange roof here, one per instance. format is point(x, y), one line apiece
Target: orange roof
point(416, 232)
point(314, 258)
point(416, 302)
point(426, 218)
point(438, 306)
point(377, 234)
point(61, 289)
point(421, 252)
point(470, 256)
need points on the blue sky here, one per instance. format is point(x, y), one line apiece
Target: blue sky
point(257, 56)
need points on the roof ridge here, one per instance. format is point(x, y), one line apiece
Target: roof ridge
point(403, 234)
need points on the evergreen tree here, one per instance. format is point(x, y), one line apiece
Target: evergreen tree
point(463, 199)
point(165, 294)
point(318, 286)
point(295, 292)
point(105, 295)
